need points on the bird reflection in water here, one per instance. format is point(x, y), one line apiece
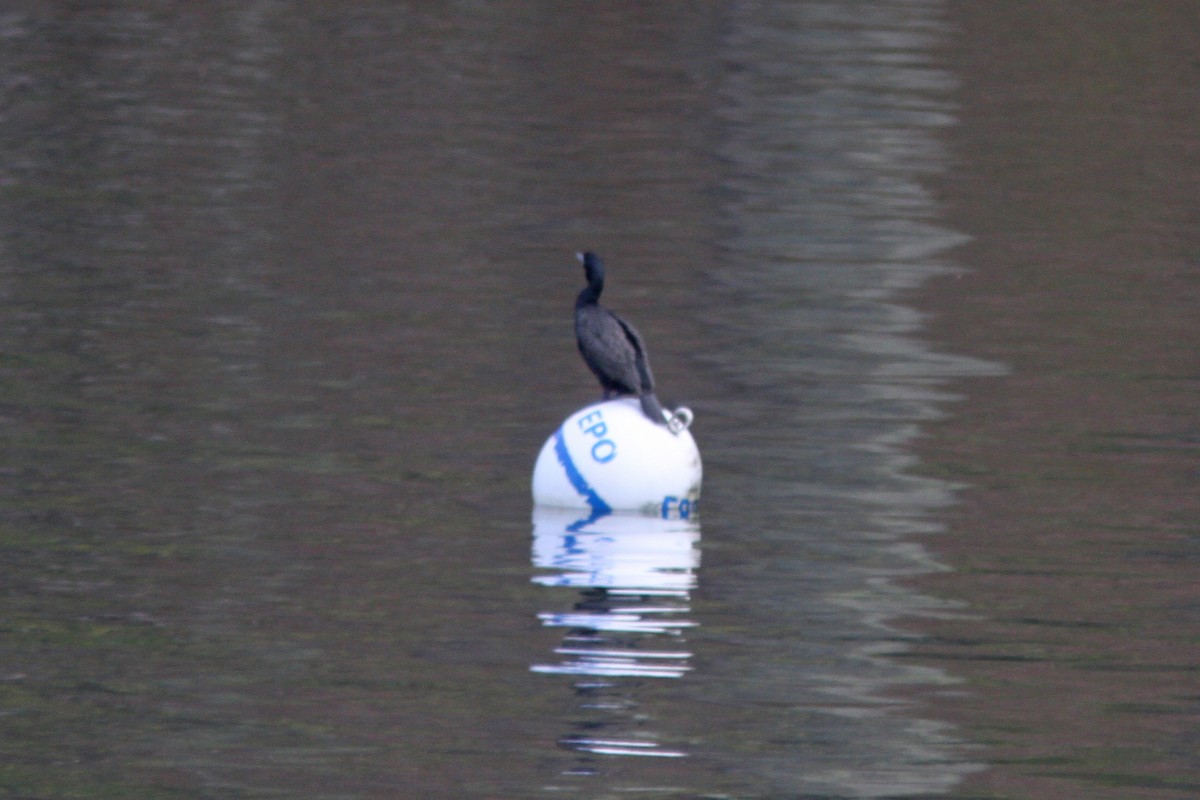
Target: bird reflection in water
point(635, 575)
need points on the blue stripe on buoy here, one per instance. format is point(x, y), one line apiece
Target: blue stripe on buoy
point(599, 507)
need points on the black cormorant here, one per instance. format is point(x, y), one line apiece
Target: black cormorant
point(610, 346)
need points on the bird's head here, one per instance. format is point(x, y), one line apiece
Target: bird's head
point(593, 268)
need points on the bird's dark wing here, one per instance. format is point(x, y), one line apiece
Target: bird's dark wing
point(641, 360)
point(605, 344)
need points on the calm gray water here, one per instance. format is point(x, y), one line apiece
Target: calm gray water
point(285, 302)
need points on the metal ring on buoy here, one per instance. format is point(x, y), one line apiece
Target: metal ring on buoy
point(680, 419)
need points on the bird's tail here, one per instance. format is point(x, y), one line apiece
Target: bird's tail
point(652, 408)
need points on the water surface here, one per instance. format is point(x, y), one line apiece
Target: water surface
point(285, 303)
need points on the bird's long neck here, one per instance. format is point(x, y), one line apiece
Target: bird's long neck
point(590, 294)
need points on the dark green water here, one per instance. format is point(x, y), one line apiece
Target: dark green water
point(285, 318)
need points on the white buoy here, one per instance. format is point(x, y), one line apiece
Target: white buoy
point(610, 457)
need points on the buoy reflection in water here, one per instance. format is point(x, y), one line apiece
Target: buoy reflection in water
point(634, 575)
